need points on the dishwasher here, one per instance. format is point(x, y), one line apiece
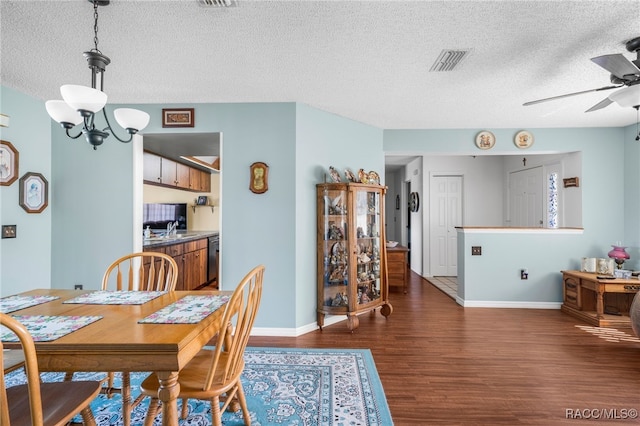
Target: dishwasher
point(212, 264)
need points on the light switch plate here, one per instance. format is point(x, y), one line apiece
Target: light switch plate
point(9, 231)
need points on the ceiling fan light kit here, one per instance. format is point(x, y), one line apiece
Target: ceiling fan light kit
point(81, 103)
point(625, 75)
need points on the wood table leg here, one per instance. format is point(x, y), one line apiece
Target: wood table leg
point(600, 303)
point(168, 394)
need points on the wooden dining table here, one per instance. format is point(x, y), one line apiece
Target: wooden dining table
point(119, 343)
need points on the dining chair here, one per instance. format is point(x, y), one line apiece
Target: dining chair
point(142, 271)
point(42, 404)
point(152, 271)
point(12, 359)
point(214, 375)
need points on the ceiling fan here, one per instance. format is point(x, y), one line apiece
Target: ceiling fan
point(625, 75)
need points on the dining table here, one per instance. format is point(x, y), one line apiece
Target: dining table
point(125, 337)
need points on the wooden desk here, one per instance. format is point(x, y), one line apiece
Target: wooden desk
point(118, 343)
point(397, 265)
point(592, 299)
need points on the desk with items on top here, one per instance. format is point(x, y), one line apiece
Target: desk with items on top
point(602, 301)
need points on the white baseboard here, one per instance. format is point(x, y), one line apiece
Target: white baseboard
point(503, 304)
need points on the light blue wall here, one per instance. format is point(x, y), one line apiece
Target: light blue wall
point(324, 140)
point(25, 261)
point(495, 276)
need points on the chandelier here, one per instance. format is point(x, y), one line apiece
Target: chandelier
point(82, 103)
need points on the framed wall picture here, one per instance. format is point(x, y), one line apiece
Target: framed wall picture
point(258, 181)
point(179, 117)
point(485, 140)
point(523, 139)
point(34, 192)
point(8, 163)
point(202, 200)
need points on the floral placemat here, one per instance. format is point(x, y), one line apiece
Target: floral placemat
point(45, 328)
point(104, 297)
point(15, 303)
point(188, 310)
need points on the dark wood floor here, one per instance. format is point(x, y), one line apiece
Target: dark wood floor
point(443, 364)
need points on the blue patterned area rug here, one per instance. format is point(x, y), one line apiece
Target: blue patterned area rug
point(283, 387)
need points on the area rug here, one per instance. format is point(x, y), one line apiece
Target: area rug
point(283, 387)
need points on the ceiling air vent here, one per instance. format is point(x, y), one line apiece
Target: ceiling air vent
point(218, 3)
point(449, 59)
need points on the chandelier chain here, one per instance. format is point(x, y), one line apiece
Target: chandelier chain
point(95, 25)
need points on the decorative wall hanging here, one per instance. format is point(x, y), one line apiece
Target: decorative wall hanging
point(397, 202)
point(523, 139)
point(414, 202)
point(8, 163)
point(572, 181)
point(485, 140)
point(258, 182)
point(34, 192)
point(183, 117)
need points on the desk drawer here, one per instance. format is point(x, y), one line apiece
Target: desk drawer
point(572, 292)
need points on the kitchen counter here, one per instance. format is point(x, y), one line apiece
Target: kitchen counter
point(181, 237)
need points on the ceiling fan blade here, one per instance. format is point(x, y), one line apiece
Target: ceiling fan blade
point(553, 98)
point(617, 64)
point(603, 103)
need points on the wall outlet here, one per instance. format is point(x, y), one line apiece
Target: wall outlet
point(77, 287)
point(524, 274)
point(476, 250)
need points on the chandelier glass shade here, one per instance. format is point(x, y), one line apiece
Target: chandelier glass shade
point(82, 103)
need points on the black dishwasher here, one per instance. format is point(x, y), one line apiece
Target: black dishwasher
point(214, 249)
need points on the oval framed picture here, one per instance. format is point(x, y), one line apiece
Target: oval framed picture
point(523, 139)
point(485, 140)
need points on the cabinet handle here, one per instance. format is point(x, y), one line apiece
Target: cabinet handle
point(572, 298)
point(159, 179)
point(570, 285)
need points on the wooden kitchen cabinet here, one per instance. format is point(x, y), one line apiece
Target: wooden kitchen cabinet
point(151, 170)
point(351, 261)
point(199, 180)
point(192, 259)
point(158, 170)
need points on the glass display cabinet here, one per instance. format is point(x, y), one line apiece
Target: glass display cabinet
point(352, 270)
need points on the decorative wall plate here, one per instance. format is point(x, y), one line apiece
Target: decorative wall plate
point(485, 140)
point(523, 139)
point(374, 177)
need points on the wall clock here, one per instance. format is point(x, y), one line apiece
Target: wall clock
point(414, 202)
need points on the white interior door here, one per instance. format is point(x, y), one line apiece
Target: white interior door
point(526, 191)
point(445, 214)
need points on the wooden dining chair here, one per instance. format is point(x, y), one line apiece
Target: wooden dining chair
point(42, 404)
point(214, 375)
point(12, 359)
point(142, 271)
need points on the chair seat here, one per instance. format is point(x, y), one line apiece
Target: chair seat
point(59, 401)
point(191, 377)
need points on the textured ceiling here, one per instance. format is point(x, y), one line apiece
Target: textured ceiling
point(367, 61)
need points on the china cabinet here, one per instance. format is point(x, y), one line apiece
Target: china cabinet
point(352, 270)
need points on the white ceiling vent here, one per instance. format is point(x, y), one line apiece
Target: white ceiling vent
point(449, 59)
point(218, 3)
